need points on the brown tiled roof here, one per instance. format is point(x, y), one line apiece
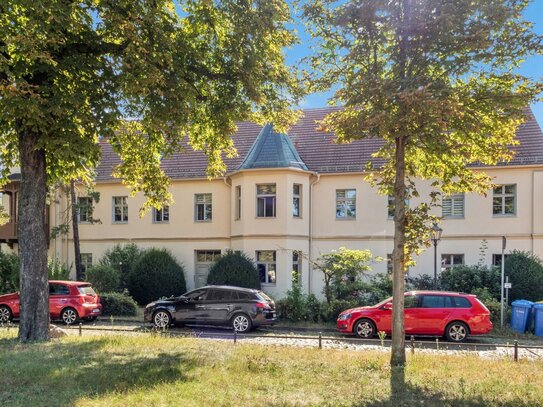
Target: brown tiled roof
point(316, 149)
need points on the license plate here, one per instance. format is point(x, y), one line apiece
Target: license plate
point(96, 310)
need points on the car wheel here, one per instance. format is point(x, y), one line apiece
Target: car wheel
point(162, 319)
point(456, 331)
point(69, 316)
point(241, 323)
point(365, 329)
point(5, 314)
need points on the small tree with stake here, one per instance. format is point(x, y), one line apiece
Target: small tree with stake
point(435, 81)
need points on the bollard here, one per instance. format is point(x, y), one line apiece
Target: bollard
point(412, 345)
point(80, 329)
point(235, 336)
point(320, 340)
point(437, 343)
point(515, 355)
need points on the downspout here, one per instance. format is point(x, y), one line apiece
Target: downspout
point(533, 214)
point(310, 251)
point(229, 185)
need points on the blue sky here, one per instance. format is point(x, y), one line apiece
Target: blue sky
point(532, 67)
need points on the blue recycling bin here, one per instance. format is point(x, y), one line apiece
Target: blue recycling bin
point(521, 310)
point(538, 319)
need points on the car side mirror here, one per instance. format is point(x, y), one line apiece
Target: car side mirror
point(387, 306)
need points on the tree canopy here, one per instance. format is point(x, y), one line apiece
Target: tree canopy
point(73, 74)
point(436, 82)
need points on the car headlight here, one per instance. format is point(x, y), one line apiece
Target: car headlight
point(343, 317)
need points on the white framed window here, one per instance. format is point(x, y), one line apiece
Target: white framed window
point(238, 202)
point(161, 215)
point(203, 208)
point(345, 203)
point(452, 206)
point(86, 261)
point(504, 200)
point(266, 266)
point(297, 265)
point(389, 264)
point(207, 256)
point(390, 207)
point(449, 261)
point(297, 200)
point(120, 209)
point(497, 259)
point(265, 200)
point(84, 209)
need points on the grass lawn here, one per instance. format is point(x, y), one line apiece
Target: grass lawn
point(155, 371)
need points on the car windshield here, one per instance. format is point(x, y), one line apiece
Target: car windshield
point(380, 304)
point(86, 290)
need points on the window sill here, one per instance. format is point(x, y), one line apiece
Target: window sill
point(453, 217)
point(265, 217)
point(202, 221)
point(268, 284)
point(161, 222)
point(119, 222)
point(505, 215)
point(343, 219)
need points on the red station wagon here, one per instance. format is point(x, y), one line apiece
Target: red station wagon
point(68, 301)
point(435, 313)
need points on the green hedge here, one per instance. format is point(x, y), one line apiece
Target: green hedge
point(9, 273)
point(118, 304)
point(234, 269)
point(104, 278)
point(525, 272)
point(156, 274)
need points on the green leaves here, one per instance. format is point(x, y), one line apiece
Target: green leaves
point(438, 75)
point(75, 72)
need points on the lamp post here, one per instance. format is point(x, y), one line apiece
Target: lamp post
point(436, 237)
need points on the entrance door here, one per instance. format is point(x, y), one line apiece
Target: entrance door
point(204, 261)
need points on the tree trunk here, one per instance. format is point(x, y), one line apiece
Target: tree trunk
point(79, 275)
point(34, 292)
point(398, 259)
point(397, 357)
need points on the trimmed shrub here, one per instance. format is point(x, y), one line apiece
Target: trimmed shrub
point(491, 303)
point(58, 270)
point(122, 258)
point(421, 282)
point(467, 279)
point(104, 278)
point(156, 274)
point(377, 289)
point(525, 272)
point(118, 304)
point(234, 269)
point(9, 273)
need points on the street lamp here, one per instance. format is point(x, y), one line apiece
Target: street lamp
point(436, 237)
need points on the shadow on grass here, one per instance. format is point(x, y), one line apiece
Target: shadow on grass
point(57, 374)
point(405, 394)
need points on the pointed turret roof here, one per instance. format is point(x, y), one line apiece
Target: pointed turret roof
point(272, 150)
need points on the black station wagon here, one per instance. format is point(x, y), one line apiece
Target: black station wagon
point(241, 308)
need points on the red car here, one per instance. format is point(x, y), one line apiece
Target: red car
point(435, 313)
point(68, 301)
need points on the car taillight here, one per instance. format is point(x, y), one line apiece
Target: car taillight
point(262, 305)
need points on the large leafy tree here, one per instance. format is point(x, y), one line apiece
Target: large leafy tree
point(435, 81)
point(70, 71)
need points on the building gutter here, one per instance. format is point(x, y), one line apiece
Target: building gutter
point(310, 251)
